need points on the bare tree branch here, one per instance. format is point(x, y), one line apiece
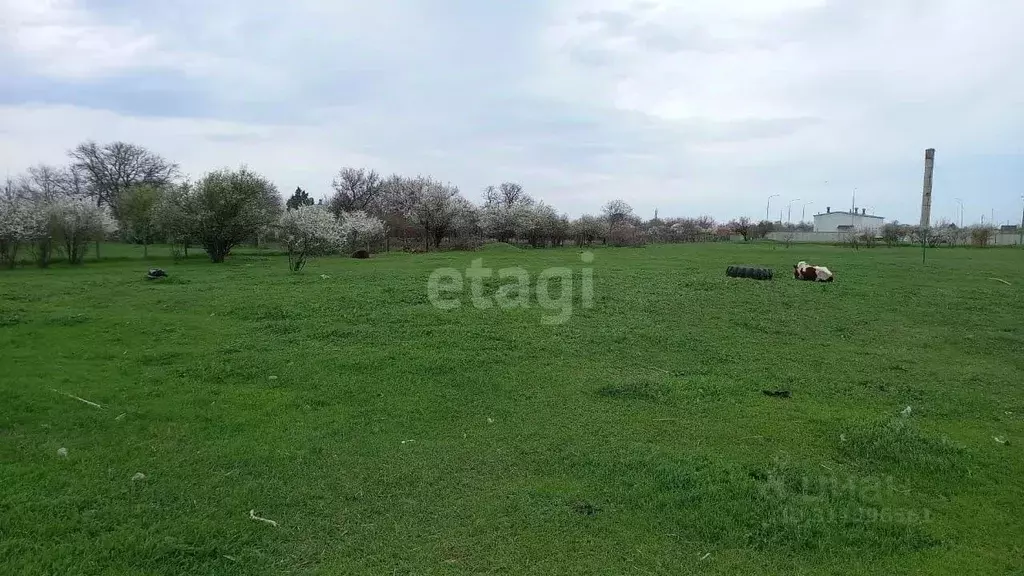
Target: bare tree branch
point(110, 169)
point(355, 189)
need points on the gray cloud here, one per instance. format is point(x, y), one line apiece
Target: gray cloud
point(707, 109)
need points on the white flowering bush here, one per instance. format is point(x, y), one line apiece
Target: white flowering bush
point(310, 231)
point(505, 222)
point(543, 225)
point(18, 226)
point(360, 228)
point(76, 222)
point(587, 228)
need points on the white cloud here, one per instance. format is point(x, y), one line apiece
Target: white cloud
point(688, 106)
point(58, 38)
point(290, 155)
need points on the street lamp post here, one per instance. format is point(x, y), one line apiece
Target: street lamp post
point(768, 208)
point(803, 213)
point(961, 203)
point(789, 216)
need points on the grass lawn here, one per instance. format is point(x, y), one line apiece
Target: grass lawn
point(386, 436)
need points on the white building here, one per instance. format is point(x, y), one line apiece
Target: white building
point(839, 221)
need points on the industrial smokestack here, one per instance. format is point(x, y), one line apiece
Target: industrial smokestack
point(926, 194)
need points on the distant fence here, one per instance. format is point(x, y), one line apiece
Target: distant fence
point(998, 239)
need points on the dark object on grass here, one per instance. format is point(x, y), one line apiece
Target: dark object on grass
point(361, 254)
point(778, 393)
point(155, 273)
point(586, 508)
point(753, 272)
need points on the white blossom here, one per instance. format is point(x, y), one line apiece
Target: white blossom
point(23, 220)
point(310, 231)
point(362, 223)
point(360, 228)
point(18, 219)
point(76, 222)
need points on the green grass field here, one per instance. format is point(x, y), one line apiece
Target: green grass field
point(386, 436)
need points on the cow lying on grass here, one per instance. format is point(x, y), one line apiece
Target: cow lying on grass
point(804, 271)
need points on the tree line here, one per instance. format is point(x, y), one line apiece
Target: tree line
point(128, 192)
point(125, 191)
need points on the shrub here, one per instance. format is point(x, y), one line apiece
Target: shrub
point(762, 229)
point(226, 208)
point(867, 238)
point(743, 227)
point(981, 235)
point(959, 236)
point(19, 225)
point(76, 222)
point(852, 239)
point(893, 233)
point(309, 230)
point(624, 234)
point(172, 221)
point(359, 229)
point(136, 212)
point(931, 236)
point(586, 229)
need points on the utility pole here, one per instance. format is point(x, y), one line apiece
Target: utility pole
point(926, 192)
point(1020, 231)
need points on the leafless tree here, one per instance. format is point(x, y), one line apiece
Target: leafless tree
point(43, 181)
point(355, 189)
point(617, 211)
point(744, 227)
point(109, 169)
point(46, 183)
point(507, 194)
point(893, 233)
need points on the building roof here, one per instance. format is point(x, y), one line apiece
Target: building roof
point(850, 214)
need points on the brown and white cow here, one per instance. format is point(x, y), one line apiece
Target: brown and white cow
point(804, 271)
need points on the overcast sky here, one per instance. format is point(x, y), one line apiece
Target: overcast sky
point(688, 106)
